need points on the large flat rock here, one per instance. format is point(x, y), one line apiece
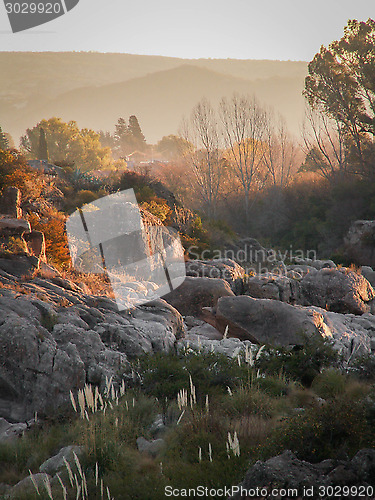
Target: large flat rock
point(266, 321)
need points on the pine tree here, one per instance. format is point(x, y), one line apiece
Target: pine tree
point(128, 137)
point(122, 145)
point(136, 133)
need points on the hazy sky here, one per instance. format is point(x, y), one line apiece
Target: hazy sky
point(243, 29)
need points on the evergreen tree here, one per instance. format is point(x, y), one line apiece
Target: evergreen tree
point(128, 137)
point(122, 141)
point(4, 142)
point(42, 146)
point(107, 140)
point(138, 138)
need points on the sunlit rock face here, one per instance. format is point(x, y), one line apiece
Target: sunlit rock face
point(272, 322)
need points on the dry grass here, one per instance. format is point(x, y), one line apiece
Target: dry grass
point(252, 429)
point(97, 284)
point(352, 268)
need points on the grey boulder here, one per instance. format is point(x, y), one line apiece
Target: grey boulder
point(265, 321)
point(338, 290)
point(57, 462)
point(196, 293)
point(226, 269)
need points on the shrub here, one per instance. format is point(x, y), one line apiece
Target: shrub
point(181, 461)
point(248, 401)
point(14, 171)
point(273, 386)
point(363, 367)
point(302, 363)
point(329, 384)
point(159, 208)
point(164, 375)
point(334, 430)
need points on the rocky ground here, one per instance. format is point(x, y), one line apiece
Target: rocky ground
point(286, 477)
point(56, 335)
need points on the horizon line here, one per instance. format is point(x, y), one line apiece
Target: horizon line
point(147, 55)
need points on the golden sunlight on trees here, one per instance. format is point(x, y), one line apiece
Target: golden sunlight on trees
point(14, 171)
point(245, 126)
point(231, 154)
point(341, 84)
point(204, 159)
point(173, 147)
point(68, 144)
point(324, 145)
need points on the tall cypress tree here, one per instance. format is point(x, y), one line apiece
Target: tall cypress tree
point(4, 142)
point(42, 147)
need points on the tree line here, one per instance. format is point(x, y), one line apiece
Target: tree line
point(237, 161)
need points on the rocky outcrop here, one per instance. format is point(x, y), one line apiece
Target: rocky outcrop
point(16, 234)
point(335, 289)
point(198, 327)
point(254, 258)
point(339, 290)
point(56, 463)
point(36, 244)
point(266, 321)
point(369, 274)
point(287, 472)
point(26, 487)
point(10, 203)
point(226, 269)
point(270, 286)
point(313, 263)
point(230, 347)
point(262, 321)
point(54, 338)
point(360, 243)
point(10, 432)
point(11, 226)
point(196, 293)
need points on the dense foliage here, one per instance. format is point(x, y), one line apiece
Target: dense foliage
point(65, 142)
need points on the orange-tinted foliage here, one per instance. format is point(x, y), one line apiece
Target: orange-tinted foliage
point(53, 227)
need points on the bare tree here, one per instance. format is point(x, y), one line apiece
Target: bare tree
point(281, 155)
point(324, 144)
point(204, 158)
point(244, 128)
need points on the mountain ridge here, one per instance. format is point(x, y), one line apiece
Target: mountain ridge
point(159, 110)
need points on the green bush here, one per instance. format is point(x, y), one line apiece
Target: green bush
point(164, 375)
point(273, 386)
point(248, 401)
point(181, 460)
point(329, 384)
point(302, 363)
point(363, 367)
point(334, 430)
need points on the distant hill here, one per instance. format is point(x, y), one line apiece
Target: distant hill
point(95, 89)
